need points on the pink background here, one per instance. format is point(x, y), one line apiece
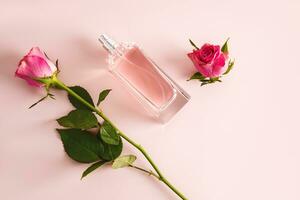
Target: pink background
point(235, 140)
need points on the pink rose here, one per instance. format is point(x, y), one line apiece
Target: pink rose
point(35, 65)
point(209, 60)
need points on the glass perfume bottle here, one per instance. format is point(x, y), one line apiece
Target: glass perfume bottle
point(153, 88)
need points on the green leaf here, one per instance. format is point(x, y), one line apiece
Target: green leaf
point(109, 134)
point(83, 93)
point(198, 76)
point(193, 44)
point(82, 119)
point(82, 146)
point(123, 161)
point(224, 48)
point(92, 168)
point(111, 152)
point(229, 68)
point(102, 96)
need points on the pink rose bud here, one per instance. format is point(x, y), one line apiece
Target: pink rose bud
point(35, 65)
point(209, 60)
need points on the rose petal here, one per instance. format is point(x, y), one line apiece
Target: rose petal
point(206, 70)
point(24, 73)
point(200, 66)
point(31, 67)
point(193, 57)
point(37, 66)
point(219, 63)
point(208, 60)
point(35, 51)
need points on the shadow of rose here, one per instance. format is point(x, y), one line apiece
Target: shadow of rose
point(8, 64)
point(180, 61)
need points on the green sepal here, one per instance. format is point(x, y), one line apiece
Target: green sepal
point(210, 80)
point(230, 66)
point(197, 76)
point(42, 99)
point(224, 48)
point(193, 44)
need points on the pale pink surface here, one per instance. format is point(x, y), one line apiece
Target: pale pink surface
point(144, 77)
point(237, 140)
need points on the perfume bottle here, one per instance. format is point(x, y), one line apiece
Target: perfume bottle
point(153, 88)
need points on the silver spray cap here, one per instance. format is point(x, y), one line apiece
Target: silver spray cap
point(108, 43)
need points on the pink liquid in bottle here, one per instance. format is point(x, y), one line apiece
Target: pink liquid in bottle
point(144, 77)
point(154, 89)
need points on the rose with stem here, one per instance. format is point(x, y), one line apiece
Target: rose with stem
point(38, 70)
point(160, 176)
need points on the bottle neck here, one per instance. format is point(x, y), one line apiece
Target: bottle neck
point(109, 44)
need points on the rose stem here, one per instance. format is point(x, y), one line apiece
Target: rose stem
point(149, 172)
point(138, 146)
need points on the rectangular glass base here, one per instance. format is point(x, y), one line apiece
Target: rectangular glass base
point(177, 103)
